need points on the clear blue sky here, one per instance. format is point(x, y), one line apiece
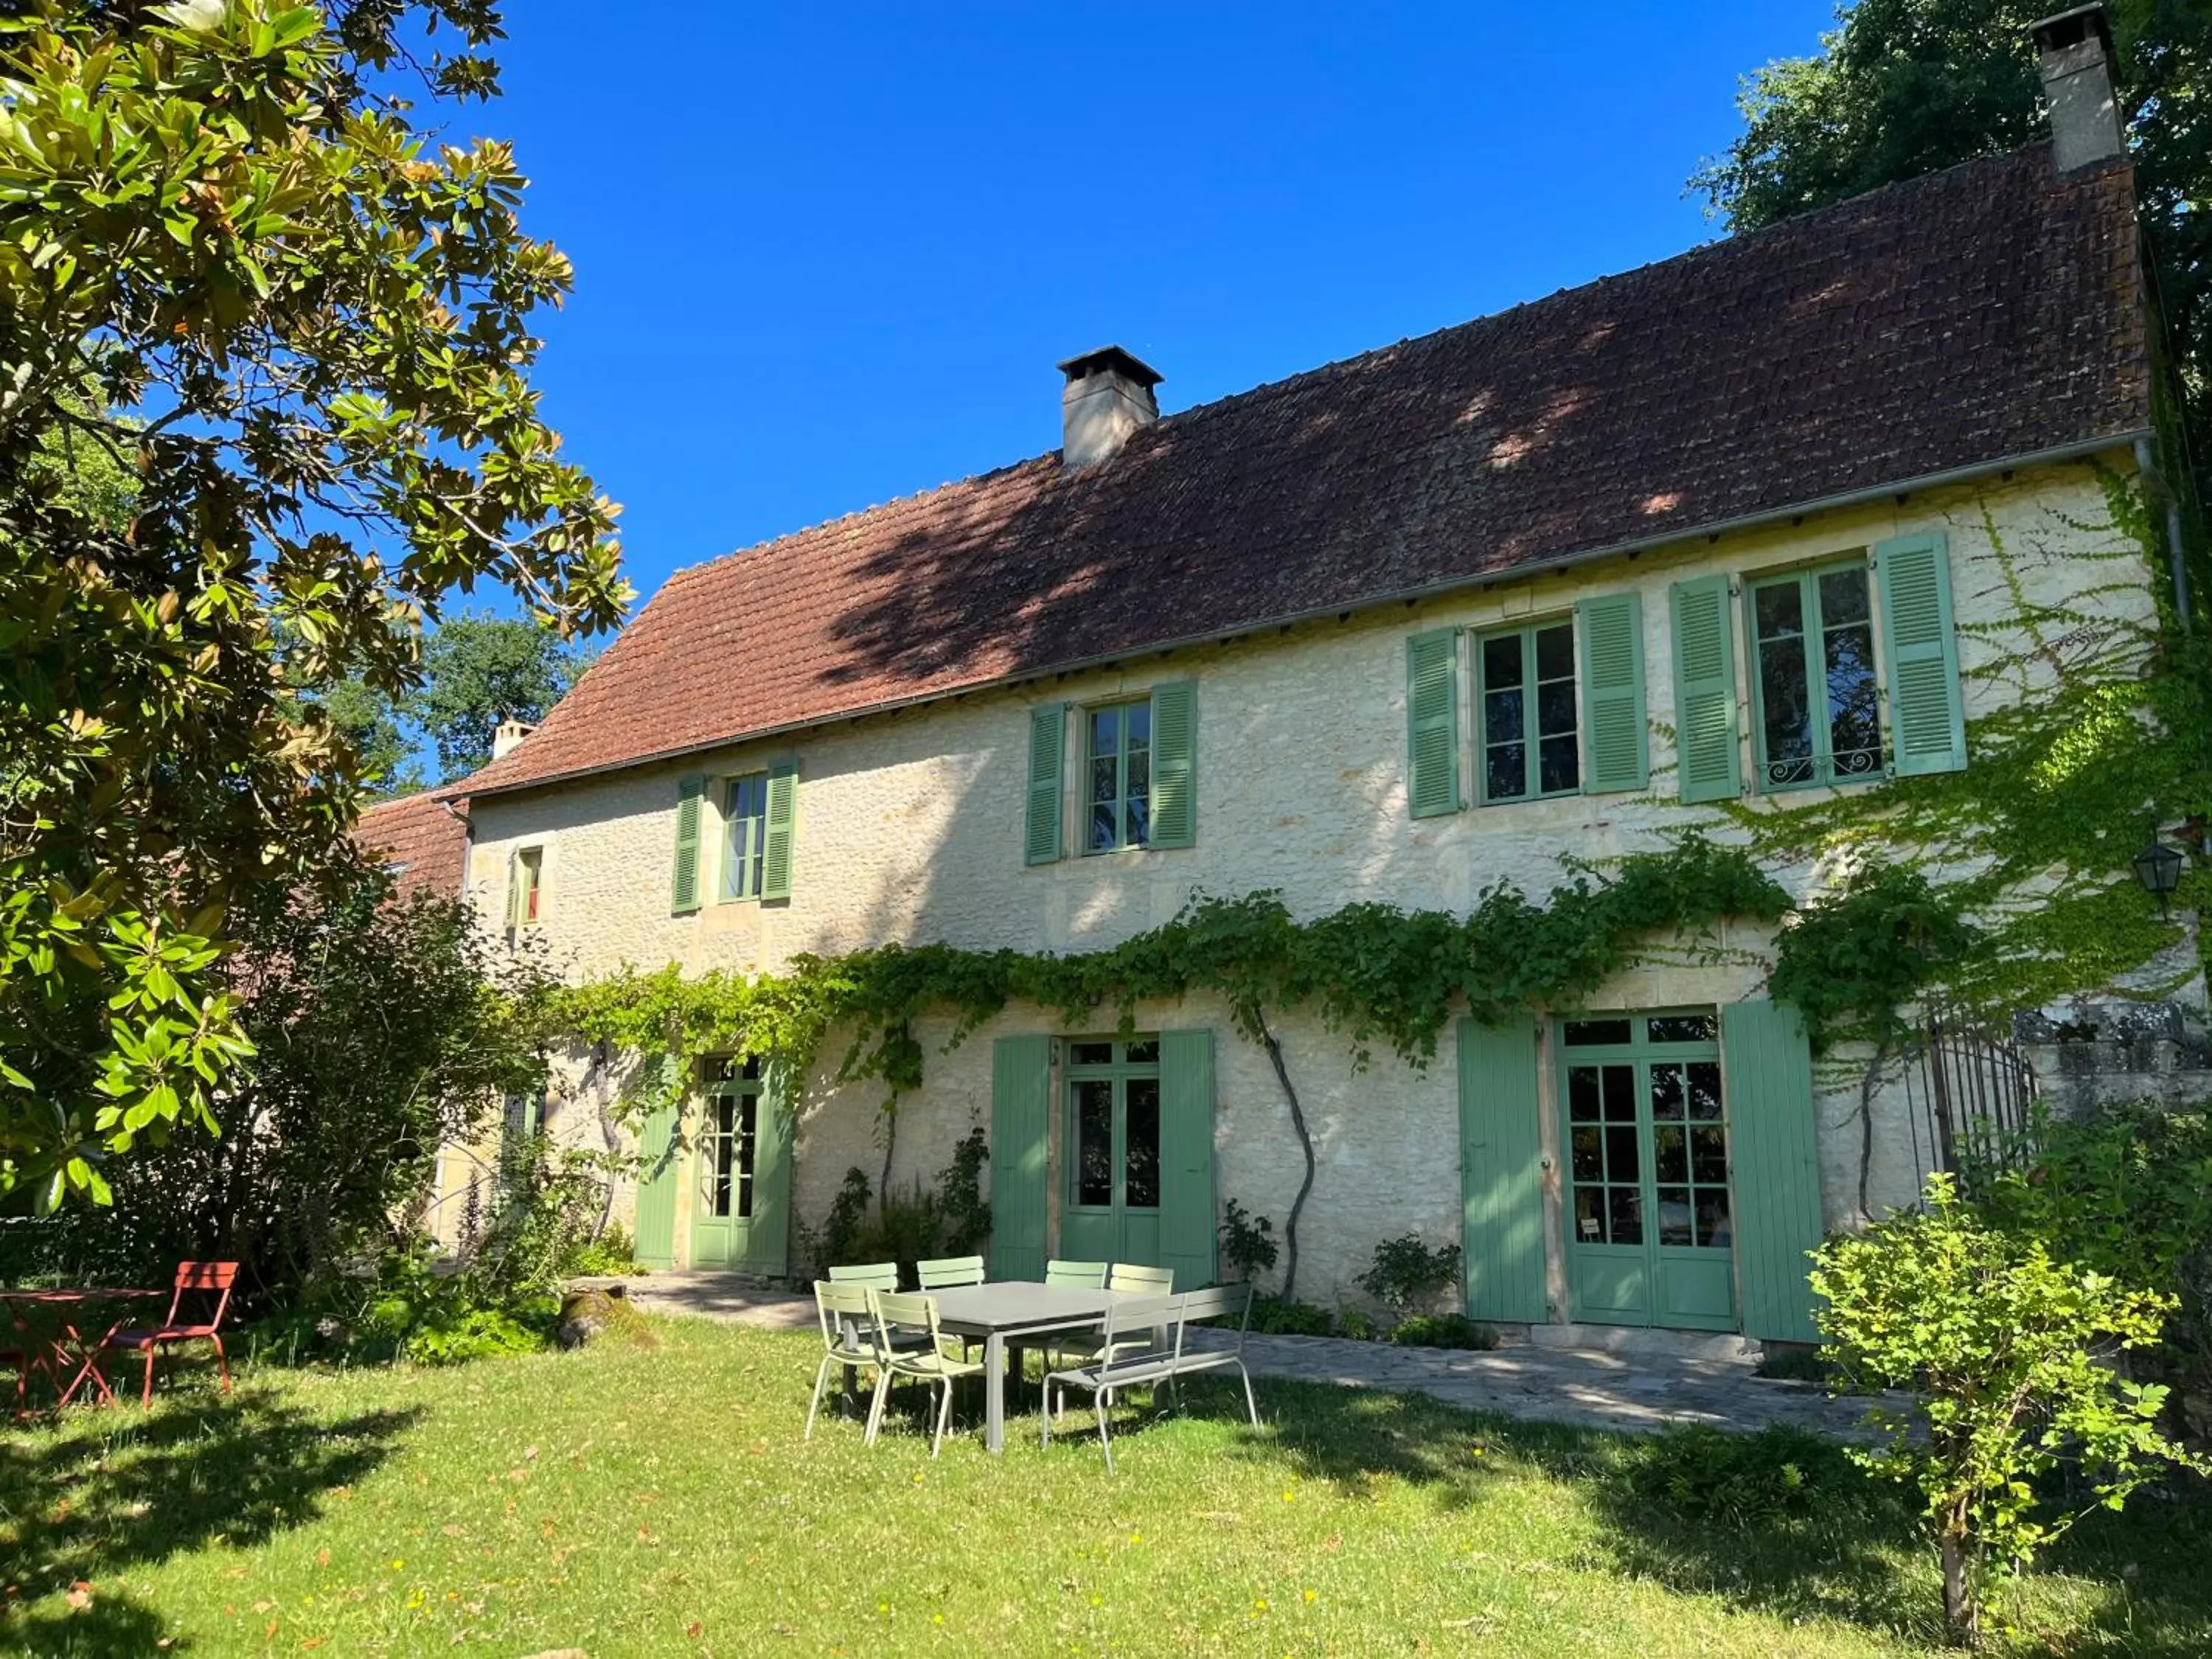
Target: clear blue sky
point(827, 256)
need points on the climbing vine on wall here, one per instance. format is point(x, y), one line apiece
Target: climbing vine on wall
point(2008, 884)
point(1998, 886)
point(1373, 973)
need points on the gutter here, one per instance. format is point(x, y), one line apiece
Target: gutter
point(2147, 464)
point(2082, 450)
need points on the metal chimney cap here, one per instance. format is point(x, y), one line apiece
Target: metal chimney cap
point(1111, 359)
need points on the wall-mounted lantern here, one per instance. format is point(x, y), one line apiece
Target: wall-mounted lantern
point(2158, 866)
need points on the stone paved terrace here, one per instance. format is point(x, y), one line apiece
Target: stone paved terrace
point(1641, 1389)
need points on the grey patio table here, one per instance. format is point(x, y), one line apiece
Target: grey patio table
point(1010, 1308)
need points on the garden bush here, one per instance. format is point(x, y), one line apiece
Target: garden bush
point(1405, 1272)
point(2013, 1357)
point(1272, 1316)
point(2129, 1195)
point(908, 1226)
point(1449, 1330)
point(383, 1028)
point(1701, 1475)
point(1247, 1242)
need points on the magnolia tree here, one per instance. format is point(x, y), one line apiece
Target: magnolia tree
point(287, 336)
point(2012, 1354)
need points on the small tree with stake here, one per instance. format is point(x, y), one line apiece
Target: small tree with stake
point(2011, 1353)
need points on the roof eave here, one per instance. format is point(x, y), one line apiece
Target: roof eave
point(2080, 450)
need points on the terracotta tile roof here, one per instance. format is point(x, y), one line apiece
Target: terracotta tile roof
point(426, 843)
point(1980, 315)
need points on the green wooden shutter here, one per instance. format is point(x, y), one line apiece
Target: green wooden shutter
point(1501, 1162)
point(659, 1155)
point(1927, 727)
point(1614, 755)
point(514, 889)
point(783, 828)
point(768, 1235)
point(1774, 1166)
point(684, 889)
point(1021, 1123)
point(1187, 1226)
point(1041, 834)
point(1175, 764)
point(1432, 723)
point(1707, 750)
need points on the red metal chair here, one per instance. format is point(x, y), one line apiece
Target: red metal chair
point(201, 1278)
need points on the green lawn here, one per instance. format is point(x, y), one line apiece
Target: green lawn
point(661, 1502)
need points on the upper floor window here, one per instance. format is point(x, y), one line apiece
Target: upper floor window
point(1837, 652)
point(759, 819)
point(1120, 772)
point(744, 839)
point(1558, 708)
point(1817, 710)
point(1136, 770)
point(526, 882)
point(1525, 688)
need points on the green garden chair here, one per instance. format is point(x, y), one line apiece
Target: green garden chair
point(914, 1316)
point(1124, 1278)
point(946, 1273)
point(849, 1338)
point(1130, 1280)
point(869, 1275)
point(1076, 1275)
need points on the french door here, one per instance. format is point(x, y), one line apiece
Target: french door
point(739, 1177)
point(1650, 1232)
point(1110, 1208)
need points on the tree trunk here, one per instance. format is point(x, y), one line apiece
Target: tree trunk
point(1305, 1144)
point(1961, 1617)
point(891, 1145)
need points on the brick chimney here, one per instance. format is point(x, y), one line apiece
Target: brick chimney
point(508, 734)
point(2076, 50)
point(1109, 395)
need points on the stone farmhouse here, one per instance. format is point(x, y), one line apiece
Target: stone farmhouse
point(1738, 530)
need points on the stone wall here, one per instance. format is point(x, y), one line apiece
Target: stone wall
point(910, 829)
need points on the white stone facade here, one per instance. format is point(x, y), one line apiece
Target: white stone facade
point(910, 825)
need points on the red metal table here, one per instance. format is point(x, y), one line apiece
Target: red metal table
point(62, 1329)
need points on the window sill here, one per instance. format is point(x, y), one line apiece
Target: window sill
point(1525, 800)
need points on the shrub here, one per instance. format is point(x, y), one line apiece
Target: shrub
point(2128, 1193)
point(1405, 1272)
point(613, 1252)
point(1354, 1323)
point(965, 1212)
point(383, 1029)
point(1793, 1362)
point(1701, 1475)
point(1272, 1316)
point(1444, 1331)
point(2011, 1353)
point(1248, 1242)
point(910, 1226)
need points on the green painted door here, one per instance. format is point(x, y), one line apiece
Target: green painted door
point(660, 1154)
point(1110, 1203)
point(1501, 1154)
point(1651, 1236)
point(740, 1185)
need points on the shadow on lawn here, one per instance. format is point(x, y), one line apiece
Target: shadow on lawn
point(2131, 1583)
point(105, 1492)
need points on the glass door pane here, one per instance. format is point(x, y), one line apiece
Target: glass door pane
point(1140, 1145)
point(1093, 1159)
